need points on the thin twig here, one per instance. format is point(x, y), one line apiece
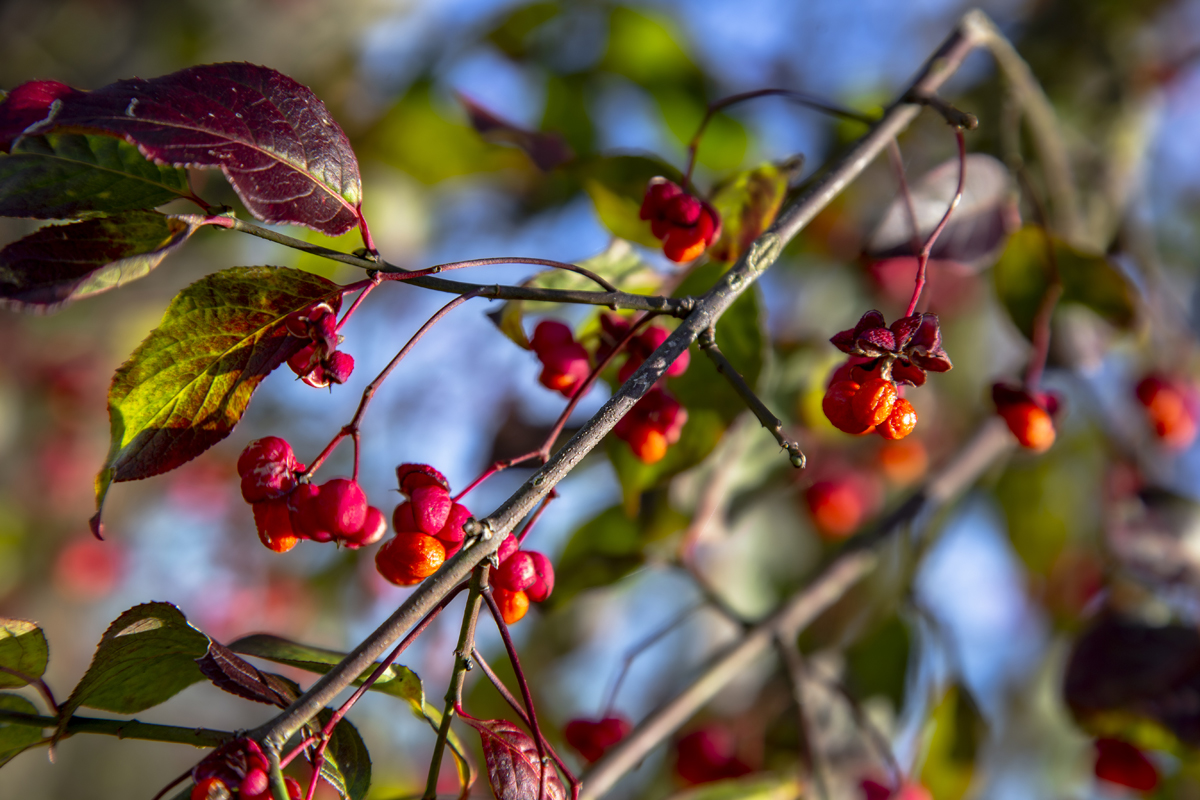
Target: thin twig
point(708, 343)
point(632, 653)
point(794, 672)
point(121, 728)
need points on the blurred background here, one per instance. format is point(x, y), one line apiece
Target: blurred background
point(989, 604)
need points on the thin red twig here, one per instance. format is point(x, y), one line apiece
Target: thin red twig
point(923, 256)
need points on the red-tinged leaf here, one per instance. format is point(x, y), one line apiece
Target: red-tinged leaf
point(235, 675)
point(546, 150)
point(514, 769)
point(68, 175)
point(274, 140)
point(60, 263)
point(748, 204)
point(188, 384)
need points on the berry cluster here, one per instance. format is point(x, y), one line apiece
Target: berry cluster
point(521, 577)
point(319, 363)
point(286, 511)
point(614, 328)
point(685, 224)
point(429, 527)
point(565, 363)
point(874, 790)
point(1172, 407)
point(1029, 415)
point(592, 738)
point(864, 393)
point(708, 755)
point(238, 767)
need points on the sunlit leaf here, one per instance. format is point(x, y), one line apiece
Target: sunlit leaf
point(188, 384)
point(66, 175)
point(955, 732)
point(14, 738)
point(748, 203)
point(617, 185)
point(147, 656)
point(274, 140)
point(1022, 277)
point(22, 649)
point(60, 263)
point(514, 769)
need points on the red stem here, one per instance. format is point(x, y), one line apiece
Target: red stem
point(536, 515)
point(367, 285)
point(923, 256)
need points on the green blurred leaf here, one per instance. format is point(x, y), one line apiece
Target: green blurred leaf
point(62, 176)
point(567, 110)
point(748, 203)
point(725, 141)
point(22, 649)
point(60, 263)
point(188, 384)
point(513, 34)
point(617, 185)
point(754, 787)
point(147, 656)
point(645, 48)
point(16, 739)
point(397, 680)
point(954, 733)
point(1022, 277)
point(347, 764)
point(619, 265)
point(878, 664)
point(416, 137)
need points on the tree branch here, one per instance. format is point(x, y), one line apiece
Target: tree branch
point(122, 729)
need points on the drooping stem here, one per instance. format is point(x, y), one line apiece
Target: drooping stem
point(462, 662)
point(923, 256)
point(641, 647)
point(717, 106)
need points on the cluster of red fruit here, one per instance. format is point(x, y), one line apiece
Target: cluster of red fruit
point(874, 790)
point(1029, 415)
point(685, 224)
point(1123, 764)
point(428, 525)
point(864, 393)
point(236, 767)
point(708, 755)
point(521, 577)
point(319, 363)
point(1172, 407)
point(656, 421)
point(286, 511)
point(592, 738)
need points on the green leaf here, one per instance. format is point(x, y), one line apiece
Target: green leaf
point(619, 265)
point(22, 649)
point(954, 732)
point(645, 49)
point(147, 656)
point(67, 175)
point(617, 185)
point(1022, 277)
point(514, 34)
point(397, 680)
point(60, 263)
point(754, 787)
point(347, 764)
point(188, 384)
point(748, 203)
point(16, 739)
point(725, 141)
point(878, 664)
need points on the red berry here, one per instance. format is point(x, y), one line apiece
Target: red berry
point(1123, 764)
point(543, 585)
point(266, 449)
point(872, 404)
point(1032, 426)
point(431, 508)
point(874, 790)
point(338, 367)
point(403, 519)
point(294, 790)
point(837, 506)
point(682, 210)
point(211, 789)
point(409, 558)
point(1171, 410)
point(593, 738)
point(373, 529)
point(304, 361)
point(900, 422)
point(254, 784)
point(274, 524)
point(452, 532)
point(564, 368)
point(266, 468)
point(302, 508)
point(410, 476)
point(658, 194)
point(341, 507)
point(708, 755)
point(513, 605)
point(549, 334)
point(838, 407)
point(517, 573)
point(648, 443)
point(507, 548)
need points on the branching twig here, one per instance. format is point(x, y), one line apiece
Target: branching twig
point(708, 343)
point(793, 666)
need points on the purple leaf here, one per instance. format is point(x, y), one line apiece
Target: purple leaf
point(60, 263)
point(546, 150)
point(235, 675)
point(513, 765)
point(274, 140)
point(188, 384)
